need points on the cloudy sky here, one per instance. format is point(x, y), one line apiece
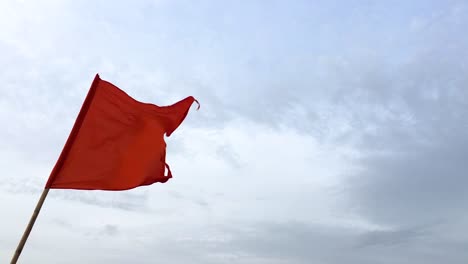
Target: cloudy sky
point(329, 132)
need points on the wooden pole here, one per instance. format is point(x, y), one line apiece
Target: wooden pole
point(30, 226)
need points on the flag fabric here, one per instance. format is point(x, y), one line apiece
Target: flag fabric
point(117, 143)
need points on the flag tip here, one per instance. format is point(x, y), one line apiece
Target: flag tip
point(196, 101)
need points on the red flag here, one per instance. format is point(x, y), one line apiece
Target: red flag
point(117, 143)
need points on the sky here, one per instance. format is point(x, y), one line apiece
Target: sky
point(329, 132)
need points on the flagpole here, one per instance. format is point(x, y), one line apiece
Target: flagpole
point(57, 167)
point(30, 226)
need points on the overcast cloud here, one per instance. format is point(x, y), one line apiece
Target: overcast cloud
point(329, 131)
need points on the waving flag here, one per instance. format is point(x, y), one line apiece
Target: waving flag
point(117, 143)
